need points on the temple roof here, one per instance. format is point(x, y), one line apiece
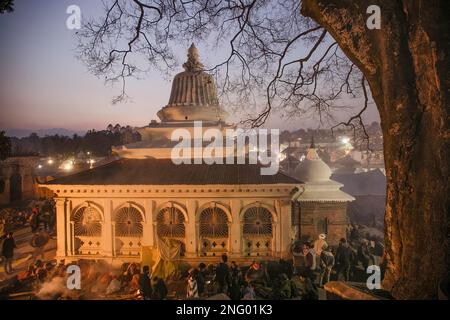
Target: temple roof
point(165, 172)
point(313, 168)
point(193, 95)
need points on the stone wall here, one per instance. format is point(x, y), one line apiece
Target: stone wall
point(323, 217)
point(17, 173)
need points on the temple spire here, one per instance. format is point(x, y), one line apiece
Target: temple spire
point(193, 62)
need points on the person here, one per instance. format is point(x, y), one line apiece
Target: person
point(46, 220)
point(286, 267)
point(283, 289)
point(9, 244)
point(363, 254)
point(235, 281)
point(310, 263)
point(343, 259)
point(34, 223)
point(319, 244)
point(201, 281)
point(249, 292)
point(326, 263)
point(310, 290)
point(60, 269)
point(114, 285)
point(257, 274)
point(222, 276)
point(192, 288)
point(38, 242)
point(145, 287)
point(159, 289)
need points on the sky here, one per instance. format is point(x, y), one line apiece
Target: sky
point(43, 85)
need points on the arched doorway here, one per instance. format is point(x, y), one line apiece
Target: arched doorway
point(257, 231)
point(322, 226)
point(170, 226)
point(213, 230)
point(86, 225)
point(15, 187)
point(128, 231)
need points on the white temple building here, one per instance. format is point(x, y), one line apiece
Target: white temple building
point(144, 199)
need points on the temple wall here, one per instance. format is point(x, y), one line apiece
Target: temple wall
point(323, 217)
point(107, 245)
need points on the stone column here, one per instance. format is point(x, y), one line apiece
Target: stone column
point(107, 229)
point(61, 222)
point(148, 225)
point(284, 211)
point(191, 230)
point(236, 234)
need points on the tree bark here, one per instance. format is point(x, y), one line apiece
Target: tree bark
point(406, 66)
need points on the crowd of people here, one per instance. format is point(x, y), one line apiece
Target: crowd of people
point(40, 215)
point(41, 219)
point(315, 264)
point(259, 280)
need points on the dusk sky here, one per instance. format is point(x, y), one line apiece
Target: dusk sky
point(43, 85)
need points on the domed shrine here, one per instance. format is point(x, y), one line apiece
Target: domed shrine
point(145, 202)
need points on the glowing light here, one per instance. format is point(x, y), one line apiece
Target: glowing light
point(40, 166)
point(345, 140)
point(50, 161)
point(68, 166)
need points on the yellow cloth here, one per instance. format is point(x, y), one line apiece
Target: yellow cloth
point(149, 256)
point(161, 263)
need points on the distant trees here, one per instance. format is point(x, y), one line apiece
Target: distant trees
point(99, 143)
point(5, 146)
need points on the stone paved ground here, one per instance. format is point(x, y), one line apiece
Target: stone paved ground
point(23, 255)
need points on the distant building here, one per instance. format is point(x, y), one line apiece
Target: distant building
point(17, 179)
point(320, 204)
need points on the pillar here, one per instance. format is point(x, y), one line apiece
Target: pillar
point(148, 225)
point(61, 233)
point(107, 229)
point(191, 229)
point(236, 234)
point(284, 216)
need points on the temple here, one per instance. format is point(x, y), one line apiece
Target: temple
point(203, 210)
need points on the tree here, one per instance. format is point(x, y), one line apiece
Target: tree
point(406, 67)
point(5, 146)
point(302, 67)
point(6, 6)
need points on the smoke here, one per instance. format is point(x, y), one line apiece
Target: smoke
point(53, 289)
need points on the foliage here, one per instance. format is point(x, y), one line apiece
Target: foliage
point(5, 146)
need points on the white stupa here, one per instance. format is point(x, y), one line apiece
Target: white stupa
point(315, 173)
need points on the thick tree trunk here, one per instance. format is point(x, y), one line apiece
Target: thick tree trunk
point(406, 66)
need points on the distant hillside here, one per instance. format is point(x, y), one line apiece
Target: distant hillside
point(20, 133)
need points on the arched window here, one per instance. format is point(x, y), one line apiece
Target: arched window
point(170, 223)
point(87, 222)
point(213, 223)
point(128, 222)
point(257, 222)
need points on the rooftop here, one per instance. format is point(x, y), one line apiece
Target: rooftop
point(165, 172)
